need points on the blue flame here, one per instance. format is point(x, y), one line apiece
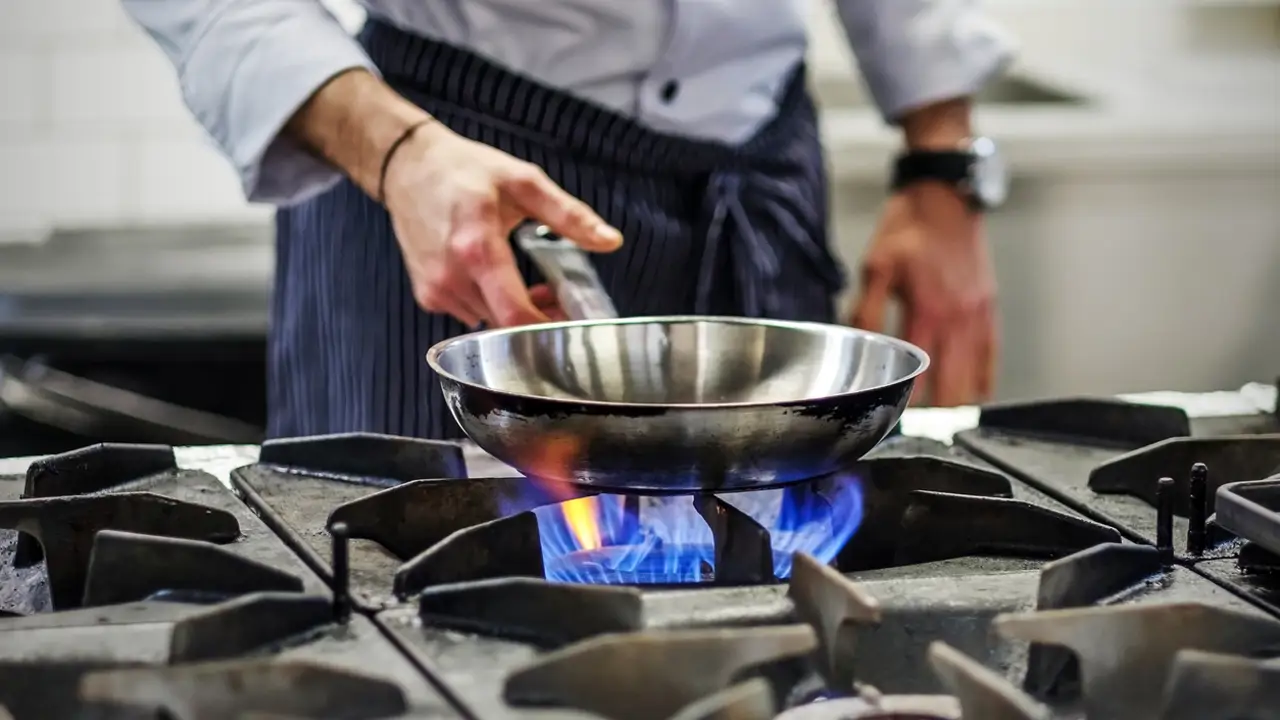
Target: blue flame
point(663, 540)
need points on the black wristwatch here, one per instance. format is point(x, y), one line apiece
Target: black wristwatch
point(976, 170)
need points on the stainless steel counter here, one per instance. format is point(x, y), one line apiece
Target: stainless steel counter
point(220, 460)
point(146, 283)
point(937, 423)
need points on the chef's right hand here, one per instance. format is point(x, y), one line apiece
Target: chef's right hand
point(453, 204)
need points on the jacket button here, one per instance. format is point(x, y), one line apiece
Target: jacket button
point(670, 89)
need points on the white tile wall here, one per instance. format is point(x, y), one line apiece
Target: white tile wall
point(89, 93)
point(93, 130)
point(180, 178)
point(92, 125)
point(24, 79)
point(66, 178)
point(61, 20)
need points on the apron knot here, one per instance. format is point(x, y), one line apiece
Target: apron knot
point(757, 240)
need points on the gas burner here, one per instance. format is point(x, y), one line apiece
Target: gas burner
point(1124, 555)
point(899, 507)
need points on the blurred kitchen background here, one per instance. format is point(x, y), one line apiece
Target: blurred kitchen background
point(1140, 248)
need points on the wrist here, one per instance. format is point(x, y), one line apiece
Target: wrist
point(943, 126)
point(940, 199)
point(403, 162)
point(353, 121)
point(971, 170)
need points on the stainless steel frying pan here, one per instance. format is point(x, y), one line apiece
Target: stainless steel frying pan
point(672, 404)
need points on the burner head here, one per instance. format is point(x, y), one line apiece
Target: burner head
point(731, 538)
point(886, 511)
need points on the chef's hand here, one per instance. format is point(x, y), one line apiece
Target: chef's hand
point(931, 254)
point(454, 203)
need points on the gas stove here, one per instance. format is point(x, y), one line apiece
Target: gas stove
point(1090, 559)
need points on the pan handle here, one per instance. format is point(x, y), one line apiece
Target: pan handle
point(568, 271)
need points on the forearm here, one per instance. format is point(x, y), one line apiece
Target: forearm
point(942, 125)
point(352, 122)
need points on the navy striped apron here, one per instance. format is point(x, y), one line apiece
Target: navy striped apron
point(709, 228)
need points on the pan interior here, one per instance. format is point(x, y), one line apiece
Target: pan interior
point(680, 361)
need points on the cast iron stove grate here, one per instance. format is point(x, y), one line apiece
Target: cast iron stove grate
point(828, 646)
point(185, 530)
point(946, 550)
point(1147, 470)
point(134, 586)
point(915, 502)
point(944, 540)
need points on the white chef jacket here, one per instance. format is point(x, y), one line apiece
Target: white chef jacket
point(707, 69)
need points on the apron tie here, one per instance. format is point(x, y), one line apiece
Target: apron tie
point(756, 241)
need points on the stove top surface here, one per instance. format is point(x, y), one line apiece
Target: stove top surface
point(911, 501)
point(1113, 474)
point(1038, 568)
point(135, 581)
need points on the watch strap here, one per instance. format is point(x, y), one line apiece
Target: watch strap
point(950, 167)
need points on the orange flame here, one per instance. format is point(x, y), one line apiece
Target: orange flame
point(581, 516)
point(554, 457)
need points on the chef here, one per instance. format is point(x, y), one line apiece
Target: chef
point(674, 138)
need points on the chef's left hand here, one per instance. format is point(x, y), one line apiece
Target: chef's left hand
point(930, 253)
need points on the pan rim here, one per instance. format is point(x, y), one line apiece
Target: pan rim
point(435, 351)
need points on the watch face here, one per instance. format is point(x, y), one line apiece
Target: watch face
point(990, 175)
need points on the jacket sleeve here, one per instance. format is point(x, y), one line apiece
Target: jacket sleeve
point(245, 67)
point(915, 52)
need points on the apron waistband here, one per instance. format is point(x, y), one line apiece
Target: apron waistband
point(742, 181)
point(469, 83)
